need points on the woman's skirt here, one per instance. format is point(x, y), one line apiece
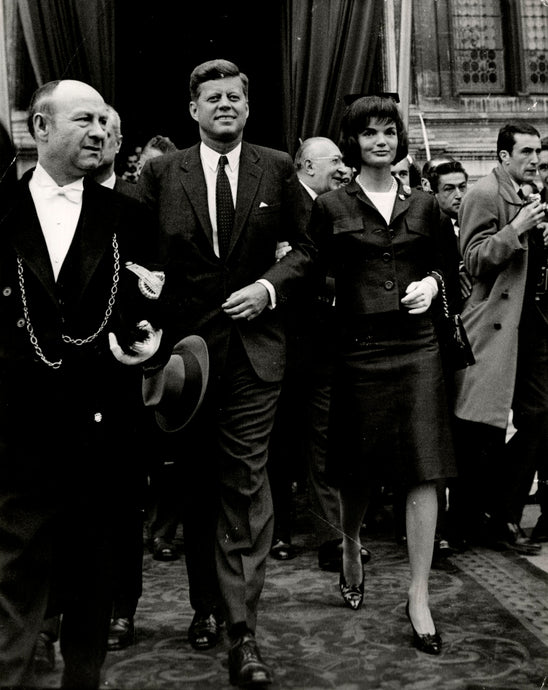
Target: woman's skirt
point(389, 417)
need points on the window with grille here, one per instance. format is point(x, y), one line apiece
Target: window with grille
point(478, 46)
point(482, 33)
point(535, 44)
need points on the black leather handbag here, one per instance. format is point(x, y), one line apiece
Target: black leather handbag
point(454, 343)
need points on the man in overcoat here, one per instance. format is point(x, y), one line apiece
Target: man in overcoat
point(503, 243)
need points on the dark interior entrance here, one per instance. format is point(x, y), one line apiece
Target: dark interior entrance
point(159, 42)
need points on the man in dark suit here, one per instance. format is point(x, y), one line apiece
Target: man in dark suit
point(540, 530)
point(68, 400)
point(300, 430)
point(231, 290)
point(105, 172)
point(446, 178)
point(130, 548)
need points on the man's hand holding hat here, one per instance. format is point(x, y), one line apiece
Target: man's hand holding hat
point(140, 350)
point(177, 391)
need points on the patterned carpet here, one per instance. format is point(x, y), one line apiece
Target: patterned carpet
point(490, 607)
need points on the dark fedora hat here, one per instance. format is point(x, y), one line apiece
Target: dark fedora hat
point(176, 391)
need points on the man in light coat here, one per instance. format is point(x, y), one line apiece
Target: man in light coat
point(502, 240)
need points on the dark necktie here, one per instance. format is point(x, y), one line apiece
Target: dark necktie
point(225, 208)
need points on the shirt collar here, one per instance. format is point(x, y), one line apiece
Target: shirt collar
point(44, 180)
point(110, 181)
point(312, 193)
point(211, 157)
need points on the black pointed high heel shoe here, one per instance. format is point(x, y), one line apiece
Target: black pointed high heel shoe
point(429, 643)
point(352, 594)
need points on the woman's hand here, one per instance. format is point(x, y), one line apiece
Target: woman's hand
point(282, 248)
point(141, 350)
point(419, 295)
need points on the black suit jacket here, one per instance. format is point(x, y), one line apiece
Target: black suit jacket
point(269, 208)
point(373, 262)
point(125, 187)
point(54, 411)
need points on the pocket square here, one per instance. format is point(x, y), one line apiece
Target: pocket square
point(262, 204)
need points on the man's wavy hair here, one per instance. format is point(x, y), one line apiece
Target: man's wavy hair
point(215, 69)
point(507, 135)
point(357, 118)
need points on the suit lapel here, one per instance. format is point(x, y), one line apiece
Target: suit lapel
point(94, 232)
point(194, 184)
point(506, 188)
point(401, 204)
point(249, 177)
point(28, 239)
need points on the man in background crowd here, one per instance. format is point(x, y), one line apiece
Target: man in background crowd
point(300, 430)
point(503, 242)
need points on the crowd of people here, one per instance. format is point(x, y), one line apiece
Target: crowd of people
point(180, 347)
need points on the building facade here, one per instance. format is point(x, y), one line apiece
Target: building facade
point(474, 65)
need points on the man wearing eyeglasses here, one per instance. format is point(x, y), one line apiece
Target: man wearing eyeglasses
point(503, 240)
point(300, 429)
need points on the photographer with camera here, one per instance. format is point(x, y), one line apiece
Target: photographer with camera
point(503, 238)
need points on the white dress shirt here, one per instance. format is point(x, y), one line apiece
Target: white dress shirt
point(110, 181)
point(210, 163)
point(312, 193)
point(58, 210)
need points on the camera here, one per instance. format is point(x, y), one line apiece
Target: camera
point(541, 287)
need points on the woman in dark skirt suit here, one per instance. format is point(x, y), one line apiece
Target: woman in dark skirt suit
point(389, 416)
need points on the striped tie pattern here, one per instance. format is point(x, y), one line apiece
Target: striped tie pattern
point(225, 207)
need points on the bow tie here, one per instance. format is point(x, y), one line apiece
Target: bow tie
point(72, 192)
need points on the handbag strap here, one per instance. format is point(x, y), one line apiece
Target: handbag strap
point(439, 278)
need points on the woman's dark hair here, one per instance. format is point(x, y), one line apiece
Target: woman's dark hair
point(357, 118)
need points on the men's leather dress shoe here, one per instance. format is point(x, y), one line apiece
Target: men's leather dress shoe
point(205, 630)
point(330, 555)
point(514, 539)
point(540, 530)
point(121, 634)
point(283, 551)
point(245, 665)
point(442, 550)
point(44, 655)
point(163, 550)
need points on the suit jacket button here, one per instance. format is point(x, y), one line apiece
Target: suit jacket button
point(389, 285)
point(6, 291)
point(386, 257)
point(497, 326)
